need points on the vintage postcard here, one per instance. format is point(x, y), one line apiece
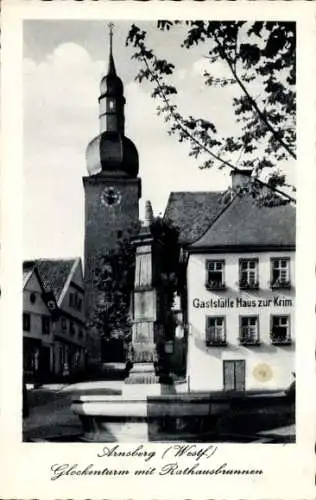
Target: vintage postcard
point(158, 250)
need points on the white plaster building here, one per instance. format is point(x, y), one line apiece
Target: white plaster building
point(240, 292)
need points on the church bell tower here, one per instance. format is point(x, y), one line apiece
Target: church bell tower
point(112, 188)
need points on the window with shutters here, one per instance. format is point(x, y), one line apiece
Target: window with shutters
point(215, 279)
point(248, 274)
point(215, 331)
point(280, 273)
point(280, 330)
point(249, 330)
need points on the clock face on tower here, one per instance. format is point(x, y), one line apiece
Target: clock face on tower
point(110, 196)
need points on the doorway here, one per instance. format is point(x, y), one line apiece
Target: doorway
point(234, 372)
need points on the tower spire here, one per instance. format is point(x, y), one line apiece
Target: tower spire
point(111, 67)
point(111, 152)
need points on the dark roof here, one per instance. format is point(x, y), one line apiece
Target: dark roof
point(54, 273)
point(244, 222)
point(28, 267)
point(193, 212)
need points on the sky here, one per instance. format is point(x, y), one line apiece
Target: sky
point(62, 68)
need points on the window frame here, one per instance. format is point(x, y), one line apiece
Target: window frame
point(45, 325)
point(278, 341)
point(215, 285)
point(32, 297)
point(283, 284)
point(26, 316)
point(111, 105)
point(63, 323)
point(72, 329)
point(249, 342)
point(215, 342)
point(75, 301)
point(71, 299)
point(246, 285)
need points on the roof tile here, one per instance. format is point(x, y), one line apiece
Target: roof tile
point(54, 273)
point(244, 222)
point(193, 212)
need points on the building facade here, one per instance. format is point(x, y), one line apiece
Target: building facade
point(71, 341)
point(38, 337)
point(58, 318)
point(241, 320)
point(240, 292)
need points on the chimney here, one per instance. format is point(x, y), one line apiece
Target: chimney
point(240, 176)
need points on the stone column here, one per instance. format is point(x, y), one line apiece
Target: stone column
point(143, 349)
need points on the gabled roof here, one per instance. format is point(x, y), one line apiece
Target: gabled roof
point(28, 267)
point(245, 223)
point(54, 274)
point(193, 212)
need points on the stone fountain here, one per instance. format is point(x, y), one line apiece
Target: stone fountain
point(125, 417)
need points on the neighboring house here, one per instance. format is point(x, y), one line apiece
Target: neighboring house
point(64, 278)
point(61, 285)
point(240, 291)
point(38, 338)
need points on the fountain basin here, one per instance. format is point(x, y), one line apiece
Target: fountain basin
point(143, 418)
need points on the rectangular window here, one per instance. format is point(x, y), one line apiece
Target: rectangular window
point(249, 330)
point(215, 331)
point(75, 301)
point(63, 323)
point(72, 330)
point(215, 274)
point(280, 330)
point(234, 374)
point(26, 322)
point(248, 274)
point(71, 300)
point(45, 325)
point(280, 273)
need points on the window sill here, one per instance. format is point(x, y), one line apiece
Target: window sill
point(250, 343)
point(216, 343)
point(248, 286)
point(215, 287)
point(281, 286)
point(281, 342)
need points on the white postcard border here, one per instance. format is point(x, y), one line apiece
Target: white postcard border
point(25, 468)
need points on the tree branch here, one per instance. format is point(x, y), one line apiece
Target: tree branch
point(200, 144)
point(252, 101)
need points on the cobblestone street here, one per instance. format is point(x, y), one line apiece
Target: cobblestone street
point(50, 413)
